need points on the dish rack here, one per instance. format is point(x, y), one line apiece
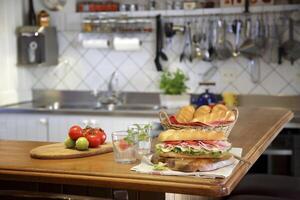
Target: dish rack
point(225, 127)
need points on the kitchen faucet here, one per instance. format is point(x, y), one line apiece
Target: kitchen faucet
point(112, 95)
point(112, 83)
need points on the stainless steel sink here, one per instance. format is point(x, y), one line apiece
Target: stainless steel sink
point(57, 106)
point(110, 107)
point(88, 101)
point(128, 107)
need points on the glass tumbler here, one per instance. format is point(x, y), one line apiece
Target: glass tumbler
point(142, 132)
point(124, 147)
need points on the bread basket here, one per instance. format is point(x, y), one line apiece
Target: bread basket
point(224, 127)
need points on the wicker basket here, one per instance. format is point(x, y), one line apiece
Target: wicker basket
point(226, 127)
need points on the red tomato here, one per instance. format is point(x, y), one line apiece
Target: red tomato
point(123, 144)
point(94, 140)
point(173, 142)
point(191, 142)
point(75, 132)
point(103, 134)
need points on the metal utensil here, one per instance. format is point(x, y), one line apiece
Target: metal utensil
point(197, 53)
point(291, 48)
point(209, 50)
point(271, 56)
point(55, 5)
point(237, 29)
point(189, 30)
point(249, 48)
point(159, 44)
point(187, 48)
point(260, 39)
point(223, 47)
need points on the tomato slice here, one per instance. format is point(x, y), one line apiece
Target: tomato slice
point(123, 145)
point(173, 142)
point(191, 142)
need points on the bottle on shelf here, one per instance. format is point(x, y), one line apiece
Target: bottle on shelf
point(43, 19)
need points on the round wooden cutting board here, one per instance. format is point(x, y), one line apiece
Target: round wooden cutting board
point(59, 151)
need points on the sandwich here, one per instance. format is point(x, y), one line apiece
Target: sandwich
point(191, 150)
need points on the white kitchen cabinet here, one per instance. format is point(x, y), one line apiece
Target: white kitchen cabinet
point(16, 126)
point(54, 127)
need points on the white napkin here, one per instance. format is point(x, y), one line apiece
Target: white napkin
point(146, 167)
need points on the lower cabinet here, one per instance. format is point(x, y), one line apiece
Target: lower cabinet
point(54, 127)
point(24, 127)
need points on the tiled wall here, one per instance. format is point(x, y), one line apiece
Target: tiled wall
point(89, 69)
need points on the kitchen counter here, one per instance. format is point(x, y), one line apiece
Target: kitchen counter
point(254, 131)
point(139, 104)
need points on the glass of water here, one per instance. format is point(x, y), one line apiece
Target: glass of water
point(143, 137)
point(124, 146)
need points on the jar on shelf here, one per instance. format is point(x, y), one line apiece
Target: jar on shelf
point(177, 5)
point(92, 7)
point(131, 25)
point(96, 25)
point(147, 26)
point(115, 7)
point(152, 5)
point(87, 25)
point(139, 25)
point(122, 25)
point(80, 7)
point(111, 25)
point(99, 7)
point(104, 26)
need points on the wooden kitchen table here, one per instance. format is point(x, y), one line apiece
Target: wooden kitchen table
point(254, 131)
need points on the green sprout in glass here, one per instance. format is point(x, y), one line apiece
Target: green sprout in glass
point(138, 132)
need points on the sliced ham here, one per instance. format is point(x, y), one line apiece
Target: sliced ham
point(209, 145)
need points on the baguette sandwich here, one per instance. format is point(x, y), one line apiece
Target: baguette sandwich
point(191, 150)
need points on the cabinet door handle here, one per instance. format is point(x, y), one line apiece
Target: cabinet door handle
point(43, 121)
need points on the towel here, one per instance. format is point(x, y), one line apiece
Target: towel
point(146, 167)
point(95, 43)
point(126, 44)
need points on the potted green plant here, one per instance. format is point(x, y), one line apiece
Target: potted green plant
point(174, 89)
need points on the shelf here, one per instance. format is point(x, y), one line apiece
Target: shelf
point(71, 21)
point(196, 12)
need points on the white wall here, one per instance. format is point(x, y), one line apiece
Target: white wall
point(11, 89)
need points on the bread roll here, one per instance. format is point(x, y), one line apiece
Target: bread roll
point(230, 116)
point(217, 115)
point(181, 155)
point(190, 134)
point(201, 111)
point(194, 165)
point(185, 114)
point(219, 107)
point(202, 118)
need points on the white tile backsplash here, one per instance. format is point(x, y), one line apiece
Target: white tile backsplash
point(89, 69)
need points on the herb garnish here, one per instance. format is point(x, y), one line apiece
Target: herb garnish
point(138, 133)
